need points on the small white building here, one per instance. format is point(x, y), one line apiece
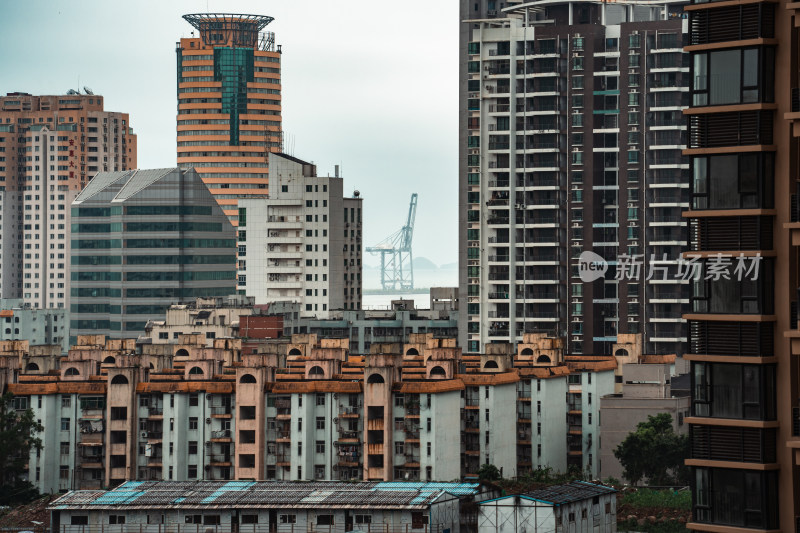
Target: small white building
point(264, 506)
point(573, 507)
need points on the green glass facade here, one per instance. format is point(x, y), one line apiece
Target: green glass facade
point(151, 250)
point(234, 68)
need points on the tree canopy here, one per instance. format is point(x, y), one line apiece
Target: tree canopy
point(488, 472)
point(655, 453)
point(18, 435)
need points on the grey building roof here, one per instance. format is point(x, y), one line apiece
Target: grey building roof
point(556, 495)
point(569, 492)
point(134, 495)
point(132, 181)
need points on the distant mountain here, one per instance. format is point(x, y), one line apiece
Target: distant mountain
point(449, 266)
point(423, 263)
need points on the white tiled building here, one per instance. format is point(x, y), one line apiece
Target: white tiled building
point(303, 243)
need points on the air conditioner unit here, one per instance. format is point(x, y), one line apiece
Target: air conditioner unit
point(336, 420)
point(208, 420)
point(520, 206)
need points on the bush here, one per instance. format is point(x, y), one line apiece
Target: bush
point(671, 499)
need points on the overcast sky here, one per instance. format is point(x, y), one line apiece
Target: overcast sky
point(369, 85)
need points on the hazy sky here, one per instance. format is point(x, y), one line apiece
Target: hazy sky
point(369, 85)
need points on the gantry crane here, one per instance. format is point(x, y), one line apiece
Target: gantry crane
point(397, 268)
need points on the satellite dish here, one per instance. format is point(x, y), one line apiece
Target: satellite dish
point(87, 90)
point(356, 193)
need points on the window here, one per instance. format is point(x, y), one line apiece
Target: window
point(191, 472)
point(65, 401)
point(320, 446)
point(363, 519)
point(65, 448)
point(723, 390)
point(65, 424)
point(63, 472)
point(324, 519)
point(192, 447)
point(287, 519)
point(116, 519)
point(737, 76)
point(734, 497)
point(736, 181)
point(192, 422)
point(193, 402)
point(320, 399)
point(320, 422)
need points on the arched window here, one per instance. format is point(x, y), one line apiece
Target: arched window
point(543, 359)
point(412, 351)
point(294, 351)
point(247, 378)
point(182, 353)
point(195, 371)
point(32, 367)
point(622, 352)
point(316, 370)
point(375, 378)
point(438, 372)
point(119, 379)
point(72, 371)
point(152, 367)
point(109, 360)
point(491, 365)
point(526, 351)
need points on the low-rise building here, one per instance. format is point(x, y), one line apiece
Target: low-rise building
point(646, 391)
point(575, 506)
point(218, 506)
point(305, 408)
point(19, 320)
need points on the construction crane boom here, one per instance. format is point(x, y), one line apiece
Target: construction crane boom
point(397, 267)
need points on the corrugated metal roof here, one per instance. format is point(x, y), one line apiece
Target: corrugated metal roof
point(569, 492)
point(263, 494)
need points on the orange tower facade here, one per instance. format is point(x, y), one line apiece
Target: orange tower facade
point(229, 104)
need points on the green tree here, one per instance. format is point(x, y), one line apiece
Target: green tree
point(654, 452)
point(18, 435)
point(488, 472)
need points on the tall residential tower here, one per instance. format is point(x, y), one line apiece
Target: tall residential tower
point(50, 148)
point(570, 141)
point(229, 104)
point(744, 121)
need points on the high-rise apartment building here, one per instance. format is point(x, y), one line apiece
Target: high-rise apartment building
point(743, 148)
point(303, 243)
point(570, 142)
point(143, 240)
point(229, 104)
point(50, 147)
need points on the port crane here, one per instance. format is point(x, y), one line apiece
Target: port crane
point(397, 268)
